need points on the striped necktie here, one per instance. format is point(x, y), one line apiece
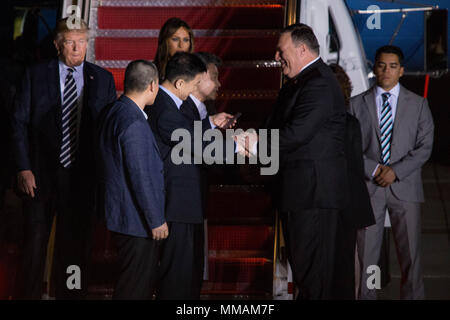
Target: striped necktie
point(69, 121)
point(386, 125)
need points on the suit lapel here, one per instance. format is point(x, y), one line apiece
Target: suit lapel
point(54, 89)
point(294, 86)
point(90, 89)
point(400, 115)
point(369, 98)
point(189, 109)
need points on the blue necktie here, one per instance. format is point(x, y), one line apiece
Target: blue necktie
point(386, 125)
point(69, 121)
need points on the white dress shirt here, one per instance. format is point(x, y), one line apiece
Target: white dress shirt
point(393, 99)
point(201, 107)
point(78, 76)
point(178, 101)
point(310, 64)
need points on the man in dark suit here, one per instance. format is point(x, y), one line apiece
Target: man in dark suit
point(132, 182)
point(196, 109)
point(53, 130)
point(397, 139)
point(310, 116)
point(182, 253)
point(358, 214)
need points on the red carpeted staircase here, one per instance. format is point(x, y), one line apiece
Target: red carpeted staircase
point(240, 212)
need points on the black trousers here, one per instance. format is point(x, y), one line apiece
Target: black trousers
point(72, 241)
point(182, 261)
point(344, 276)
point(310, 236)
point(138, 267)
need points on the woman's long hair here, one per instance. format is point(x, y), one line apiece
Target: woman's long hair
point(344, 82)
point(162, 53)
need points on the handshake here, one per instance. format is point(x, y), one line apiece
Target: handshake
point(247, 143)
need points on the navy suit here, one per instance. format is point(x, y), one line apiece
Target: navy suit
point(358, 214)
point(132, 193)
point(131, 174)
point(184, 200)
point(182, 256)
point(36, 141)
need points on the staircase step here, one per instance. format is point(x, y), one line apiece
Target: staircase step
point(237, 270)
point(238, 276)
point(9, 263)
point(198, 17)
point(259, 237)
point(230, 202)
point(226, 47)
point(236, 79)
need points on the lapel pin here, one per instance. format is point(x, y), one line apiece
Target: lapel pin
point(91, 77)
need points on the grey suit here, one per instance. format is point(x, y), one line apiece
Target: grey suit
point(412, 141)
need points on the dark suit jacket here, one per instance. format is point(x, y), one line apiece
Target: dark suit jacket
point(310, 115)
point(37, 125)
point(183, 181)
point(131, 171)
point(359, 213)
point(189, 110)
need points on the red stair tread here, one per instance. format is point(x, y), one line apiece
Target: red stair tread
point(230, 78)
point(240, 237)
point(9, 262)
point(250, 204)
point(226, 47)
point(238, 289)
point(237, 270)
point(263, 17)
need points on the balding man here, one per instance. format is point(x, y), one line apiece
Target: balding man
point(53, 130)
point(132, 182)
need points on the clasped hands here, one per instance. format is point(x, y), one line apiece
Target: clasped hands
point(245, 142)
point(384, 176)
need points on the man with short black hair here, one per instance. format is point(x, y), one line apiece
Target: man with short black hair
point(182, 254)
point(206, 91)
point(132, 182)
point(397, 136)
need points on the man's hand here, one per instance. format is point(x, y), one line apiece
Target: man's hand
point(160, 232)
point(222, 120)
point(385, 177)
point(26, 182)
point(245, 142)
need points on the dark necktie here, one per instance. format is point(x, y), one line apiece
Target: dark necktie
point(69, 121)
point(386, 125)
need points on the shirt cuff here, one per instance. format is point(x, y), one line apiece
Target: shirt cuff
point(254, 150)
point(213, 126)
point(376, 168)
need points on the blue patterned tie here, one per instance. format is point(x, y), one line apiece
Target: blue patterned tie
point(69, 121)
point(386, 125)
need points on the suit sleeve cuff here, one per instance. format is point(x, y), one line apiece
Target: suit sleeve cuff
point(213, 126)
point(376, 168)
